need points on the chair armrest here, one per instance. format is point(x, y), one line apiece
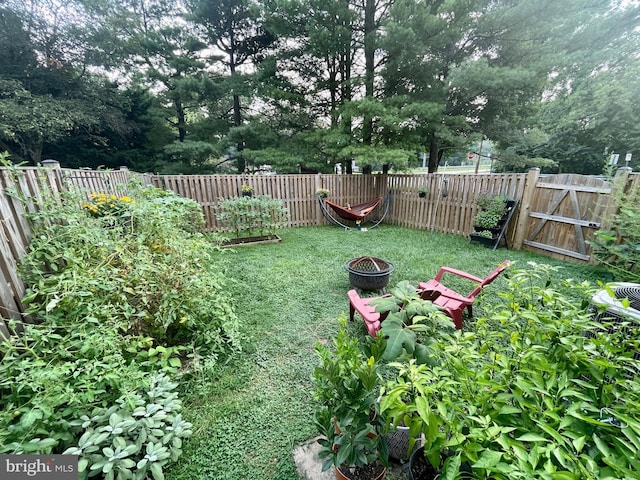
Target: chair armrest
point(459, 273)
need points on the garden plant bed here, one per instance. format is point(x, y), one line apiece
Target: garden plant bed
point(245, 241)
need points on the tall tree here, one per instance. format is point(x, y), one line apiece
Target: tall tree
point(425, 40)
point(238, 37)
point(46, 90)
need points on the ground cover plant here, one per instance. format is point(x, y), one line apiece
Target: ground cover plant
point(250, 412)
point(122, 291)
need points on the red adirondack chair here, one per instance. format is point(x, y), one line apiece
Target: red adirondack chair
point(452, 302)
point(372, 319)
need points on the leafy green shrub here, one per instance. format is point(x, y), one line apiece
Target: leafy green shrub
point(247, 216)
point(618, 248)
point(154, 278)
point(180, 212)
point(537, 391)
point(51, 375)
point(346, 386)
point(492, 210)
point(116, 303)
point(138, 435)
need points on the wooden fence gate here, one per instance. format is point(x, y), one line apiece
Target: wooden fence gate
point(562, 213)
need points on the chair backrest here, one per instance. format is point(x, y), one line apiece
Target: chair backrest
point(490, 278)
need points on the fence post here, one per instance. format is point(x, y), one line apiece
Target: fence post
point(525, 207)
point(317, 185)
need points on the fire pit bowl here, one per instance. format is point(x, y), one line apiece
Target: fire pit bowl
point(369, 273)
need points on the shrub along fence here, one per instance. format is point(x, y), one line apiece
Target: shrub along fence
point(557, 215)
point(21, 191)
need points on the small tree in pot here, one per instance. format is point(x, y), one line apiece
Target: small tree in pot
point(348, 417)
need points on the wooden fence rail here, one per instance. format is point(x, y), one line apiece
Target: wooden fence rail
point(557, 214)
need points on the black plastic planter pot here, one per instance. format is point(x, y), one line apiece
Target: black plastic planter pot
point(419, 467)
point(369, 273)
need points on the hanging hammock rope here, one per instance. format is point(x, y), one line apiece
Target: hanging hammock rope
point(353, 213)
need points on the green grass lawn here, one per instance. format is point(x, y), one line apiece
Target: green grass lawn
point(249, 415)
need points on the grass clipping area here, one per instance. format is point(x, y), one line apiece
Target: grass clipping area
point(249, 414)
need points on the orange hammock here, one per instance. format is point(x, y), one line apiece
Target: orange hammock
point(355, 212)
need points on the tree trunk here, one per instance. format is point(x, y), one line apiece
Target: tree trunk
point(346, 89)
point(333, 91)
point(434, 154)
point(369, 61)
point(237, 108)
point(181, 124)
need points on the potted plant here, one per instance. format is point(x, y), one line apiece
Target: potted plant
point(322, 192)
point(408, 332)
point(407, 401)
point(348, 417)
point(247, 191)
point(422, 192)
point(489, 221)
point(492, 210)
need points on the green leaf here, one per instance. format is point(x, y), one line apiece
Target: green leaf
point(398, 338)
point(579, 442)
point(532, 437)
point(509, 410)
point(30, 417)
point(601, 446)
point(451, 468)
point(156, 471)
point(488, 459)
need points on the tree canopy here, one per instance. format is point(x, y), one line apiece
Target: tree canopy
point(301, 85)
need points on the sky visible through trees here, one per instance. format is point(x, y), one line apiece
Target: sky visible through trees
point(206, 86)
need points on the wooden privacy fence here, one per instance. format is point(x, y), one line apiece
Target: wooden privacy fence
point(560, 213)
point(297, 192)
point(557, 214)
point(448, 207)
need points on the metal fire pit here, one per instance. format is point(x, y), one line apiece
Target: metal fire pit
point(369, 273)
